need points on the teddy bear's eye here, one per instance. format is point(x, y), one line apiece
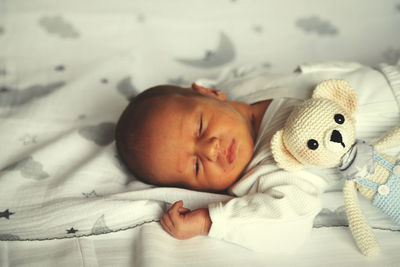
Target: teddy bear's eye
point(339, 118)
point(312, 144)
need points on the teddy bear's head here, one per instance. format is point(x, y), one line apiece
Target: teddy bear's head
point(320, 130)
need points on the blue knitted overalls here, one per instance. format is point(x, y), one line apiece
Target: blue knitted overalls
point(387, 197)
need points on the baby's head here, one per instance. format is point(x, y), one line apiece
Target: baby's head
point(186, 137)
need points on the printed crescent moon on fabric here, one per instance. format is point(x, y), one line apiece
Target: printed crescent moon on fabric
point(223, 54)
point(100, 226)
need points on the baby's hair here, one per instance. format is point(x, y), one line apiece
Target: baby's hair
point(128, 132)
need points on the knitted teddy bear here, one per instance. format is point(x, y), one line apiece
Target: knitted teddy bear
point(320, 132)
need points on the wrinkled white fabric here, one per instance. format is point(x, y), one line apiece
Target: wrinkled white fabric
point(358, 162)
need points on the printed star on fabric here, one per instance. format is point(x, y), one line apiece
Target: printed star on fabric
point(28, 139)
point(91, 194)
point(6, 214)
point(71, 231)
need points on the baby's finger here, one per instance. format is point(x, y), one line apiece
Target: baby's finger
point(174, 209)
point(168, 220)
point(177, 205)
point(183, 210)
point(166, 225)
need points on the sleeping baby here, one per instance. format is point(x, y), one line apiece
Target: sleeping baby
point(197, 139)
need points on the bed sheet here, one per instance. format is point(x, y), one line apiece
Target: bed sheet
point(121, 227)
point(157, 249)
point(67, 70)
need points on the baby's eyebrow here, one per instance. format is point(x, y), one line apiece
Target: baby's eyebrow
point(185, 157)
point(192, 118)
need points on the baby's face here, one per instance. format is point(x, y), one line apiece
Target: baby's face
point(198, 142)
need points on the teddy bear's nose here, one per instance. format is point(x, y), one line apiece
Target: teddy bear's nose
point(336, 137)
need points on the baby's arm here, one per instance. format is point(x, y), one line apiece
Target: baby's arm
point(275, 215)
point(183, 223)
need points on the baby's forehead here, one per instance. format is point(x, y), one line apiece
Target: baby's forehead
point(157, 105)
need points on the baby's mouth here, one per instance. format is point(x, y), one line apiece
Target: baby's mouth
point(231, 152)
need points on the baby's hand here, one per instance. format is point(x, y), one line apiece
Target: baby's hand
point(183, 223)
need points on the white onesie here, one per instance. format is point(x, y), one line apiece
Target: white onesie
point(275, 209)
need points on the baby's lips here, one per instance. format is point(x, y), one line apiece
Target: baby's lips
point(231, 152)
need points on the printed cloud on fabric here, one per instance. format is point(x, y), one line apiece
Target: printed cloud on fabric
point(9, 237)
point(29, 168)
point(126, 88)
point(14, 97)
point(391, 55)
point(101, 134)
point(317, 25)
point(329, 217)
point(57, 25)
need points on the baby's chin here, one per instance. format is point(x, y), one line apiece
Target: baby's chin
point(227, 182)
point(216, 189)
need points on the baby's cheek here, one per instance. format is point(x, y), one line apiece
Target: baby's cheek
point(220, 178)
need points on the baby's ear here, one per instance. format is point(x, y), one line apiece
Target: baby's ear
point(282, 156)
point(210, 92)
point(338, 91)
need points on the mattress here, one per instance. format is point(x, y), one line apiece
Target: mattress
point(69, 68)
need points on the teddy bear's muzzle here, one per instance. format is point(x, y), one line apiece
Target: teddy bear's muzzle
point(336, 137)
point(337, 140)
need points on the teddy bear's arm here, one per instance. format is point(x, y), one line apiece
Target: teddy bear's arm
point(359, 226)
point(389, 140)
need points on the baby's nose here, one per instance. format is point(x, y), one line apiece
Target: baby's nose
point(211, 149)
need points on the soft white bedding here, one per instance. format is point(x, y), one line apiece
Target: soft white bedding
point(67, 70)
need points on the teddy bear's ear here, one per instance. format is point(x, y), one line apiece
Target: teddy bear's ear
point(338, 91)
point(282, 156)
